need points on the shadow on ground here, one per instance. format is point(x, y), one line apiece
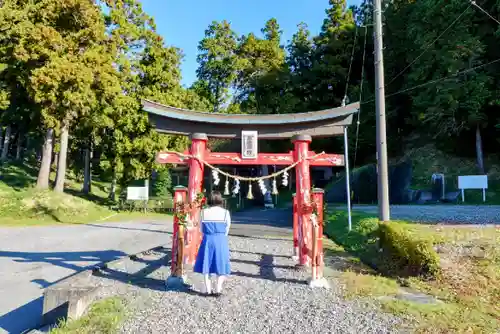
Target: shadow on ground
point(18, 176)
point(89, 197)
point(281, 218)
point(278, 221)
point(18, 320)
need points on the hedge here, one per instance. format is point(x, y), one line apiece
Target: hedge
point(409, 253)
point(390, 248)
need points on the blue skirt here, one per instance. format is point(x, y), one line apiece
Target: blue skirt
point(213, 255)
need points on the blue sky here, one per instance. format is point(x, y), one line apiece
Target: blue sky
point(183, 22)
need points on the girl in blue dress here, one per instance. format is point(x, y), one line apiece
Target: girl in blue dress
point(213, 255)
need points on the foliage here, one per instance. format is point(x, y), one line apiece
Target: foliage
point(312, 72)
point(403, 252)
point(160, 205)
point(217, 62)
point(163, 183)
point(259, 64)
point(105, 316)
point(21, 204)
point(183, 210)
point(466, 289)
point(83, 66)
point(427, 160)
point(408, 252)
point(442, 317)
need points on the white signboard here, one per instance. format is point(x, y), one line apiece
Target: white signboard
point(137, 194)
point(249, 142)
point(473, 182)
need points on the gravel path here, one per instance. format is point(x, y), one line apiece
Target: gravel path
point(452, 214)
point(264, 294)
point(32, 258)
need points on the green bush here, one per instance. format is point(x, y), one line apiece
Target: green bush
point(158, 205)
point(407, 252)
point(404, 252)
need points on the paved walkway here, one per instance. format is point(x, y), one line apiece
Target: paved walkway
point(452, 214)
point(32, 258)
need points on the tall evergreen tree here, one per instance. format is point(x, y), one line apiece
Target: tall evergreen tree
point(217, 61)
point(260, 62)
point(332, 56)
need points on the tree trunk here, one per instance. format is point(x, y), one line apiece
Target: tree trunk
point(6, 141)
point(19, 145)
point(61, 165)
point(53, 166)
point(112, 191)
point(87, 174)
point(44, 172)
point(479, 151)
point(1, 141)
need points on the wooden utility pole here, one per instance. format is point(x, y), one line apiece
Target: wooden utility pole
point(382, 168)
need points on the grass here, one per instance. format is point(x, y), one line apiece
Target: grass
point(357, 278)
point(468, 286)
point(104, 317)
point(23, 205)
point(361, 241)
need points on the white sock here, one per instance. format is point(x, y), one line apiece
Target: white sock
point(220, 281)
point(208, 284)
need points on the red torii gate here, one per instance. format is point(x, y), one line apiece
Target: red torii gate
point(301, 127)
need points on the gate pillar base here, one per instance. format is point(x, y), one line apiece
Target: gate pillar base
point(319, 283)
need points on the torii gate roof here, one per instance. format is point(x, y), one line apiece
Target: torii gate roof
point(323, 123)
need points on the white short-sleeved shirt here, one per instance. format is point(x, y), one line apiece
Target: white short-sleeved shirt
point(216, 214)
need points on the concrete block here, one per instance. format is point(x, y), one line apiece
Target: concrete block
point(68, 299)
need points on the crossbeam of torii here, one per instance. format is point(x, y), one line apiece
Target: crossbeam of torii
point(301, 127)
point(278, 159)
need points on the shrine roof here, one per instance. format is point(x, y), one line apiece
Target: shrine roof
point(209, 117)
point(322, 123)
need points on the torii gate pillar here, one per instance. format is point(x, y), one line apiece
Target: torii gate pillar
point(303, 195)
point(195, 184)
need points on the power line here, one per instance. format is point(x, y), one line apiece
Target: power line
point(429, 46)
point(350, 65)
point(437, 80)
point(484, 11)
point(360, 96)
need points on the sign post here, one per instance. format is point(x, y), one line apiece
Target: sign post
point(473, 182)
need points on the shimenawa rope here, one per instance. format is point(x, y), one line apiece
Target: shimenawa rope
point(242, 178)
